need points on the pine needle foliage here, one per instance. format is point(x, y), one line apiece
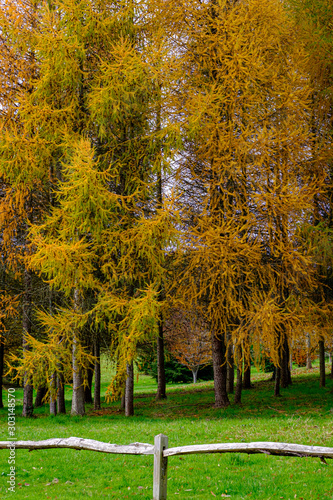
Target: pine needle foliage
point(90, 116)
point(245, 96)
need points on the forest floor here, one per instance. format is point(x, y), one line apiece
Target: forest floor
point(303, 414)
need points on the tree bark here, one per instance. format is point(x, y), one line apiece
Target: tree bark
point(129, 391)
point(239, 382)
point(78, 407)
point(195, 370)
point(53, 397)
point(277, 381)
point(230, 367)
point(220, 371)
point(41, 392)
point(161, 383)
point(61, 393)
point(285, 370)
point(26, 324)
point(97, 388)
point(247, 376)
point(308, 352)
point(87, 389)
point(322, 381)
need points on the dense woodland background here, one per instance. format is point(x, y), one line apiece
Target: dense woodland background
point(166, 192)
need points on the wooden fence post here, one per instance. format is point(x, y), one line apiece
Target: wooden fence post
point(160, 468)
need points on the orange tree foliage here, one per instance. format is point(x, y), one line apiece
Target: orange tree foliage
point(244, 99)
point(93, 110)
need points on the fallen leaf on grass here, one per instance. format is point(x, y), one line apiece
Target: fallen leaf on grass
point(213, 494)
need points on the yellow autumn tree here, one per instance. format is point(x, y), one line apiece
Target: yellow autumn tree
point(243, 176)
point(94, 110)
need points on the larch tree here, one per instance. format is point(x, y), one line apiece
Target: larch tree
point(314, 21)
point(24, 195)
point(244, 98)
point(95, 108)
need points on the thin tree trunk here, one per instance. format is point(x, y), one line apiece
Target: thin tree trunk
point(53, 397)
point(161, 382)
point(41, 392)
point(247, 365)
point(332, 365)
point(78, 407)
point(230, 367)
point(220, 372)
point(87, 389)
point(61, 393)
point(247, 375)
point(195, 370)
point(129, 391)
point(97, 388)
point(285, 371)
point(308, 352)
point(239, 381)
point(78, 390)
point(26, 323)
point(2, 351)
point(322, 382)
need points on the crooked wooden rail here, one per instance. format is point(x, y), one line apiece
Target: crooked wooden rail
point(161, 452)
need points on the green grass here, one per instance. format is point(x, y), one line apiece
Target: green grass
point(304, 414)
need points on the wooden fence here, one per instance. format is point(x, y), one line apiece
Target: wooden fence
point(161, 452)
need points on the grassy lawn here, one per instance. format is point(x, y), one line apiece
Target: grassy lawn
point(303, 414)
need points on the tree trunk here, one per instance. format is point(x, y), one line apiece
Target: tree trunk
point(308, 352)
point(97, 388)
point(247, 376)
point(129, 391)
point(285, 371)
point(78, 407)
point(239, 382)
point(220, 372)
point(230, 367)
point(161, 383)
point(41, 392)
point(26, 324)
point(87, 390)
point(247, 366)
point(332, 365)
point(277, 381)
point(2, 351)
point(195, 370)
point(78, 390)
point(322, 382)
point(53, 397)
point(61, 393)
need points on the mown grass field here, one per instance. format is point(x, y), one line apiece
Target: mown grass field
point(304, 414)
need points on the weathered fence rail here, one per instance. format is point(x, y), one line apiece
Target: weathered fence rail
point(161, 452)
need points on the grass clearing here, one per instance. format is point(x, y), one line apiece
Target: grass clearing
point(304, 415)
